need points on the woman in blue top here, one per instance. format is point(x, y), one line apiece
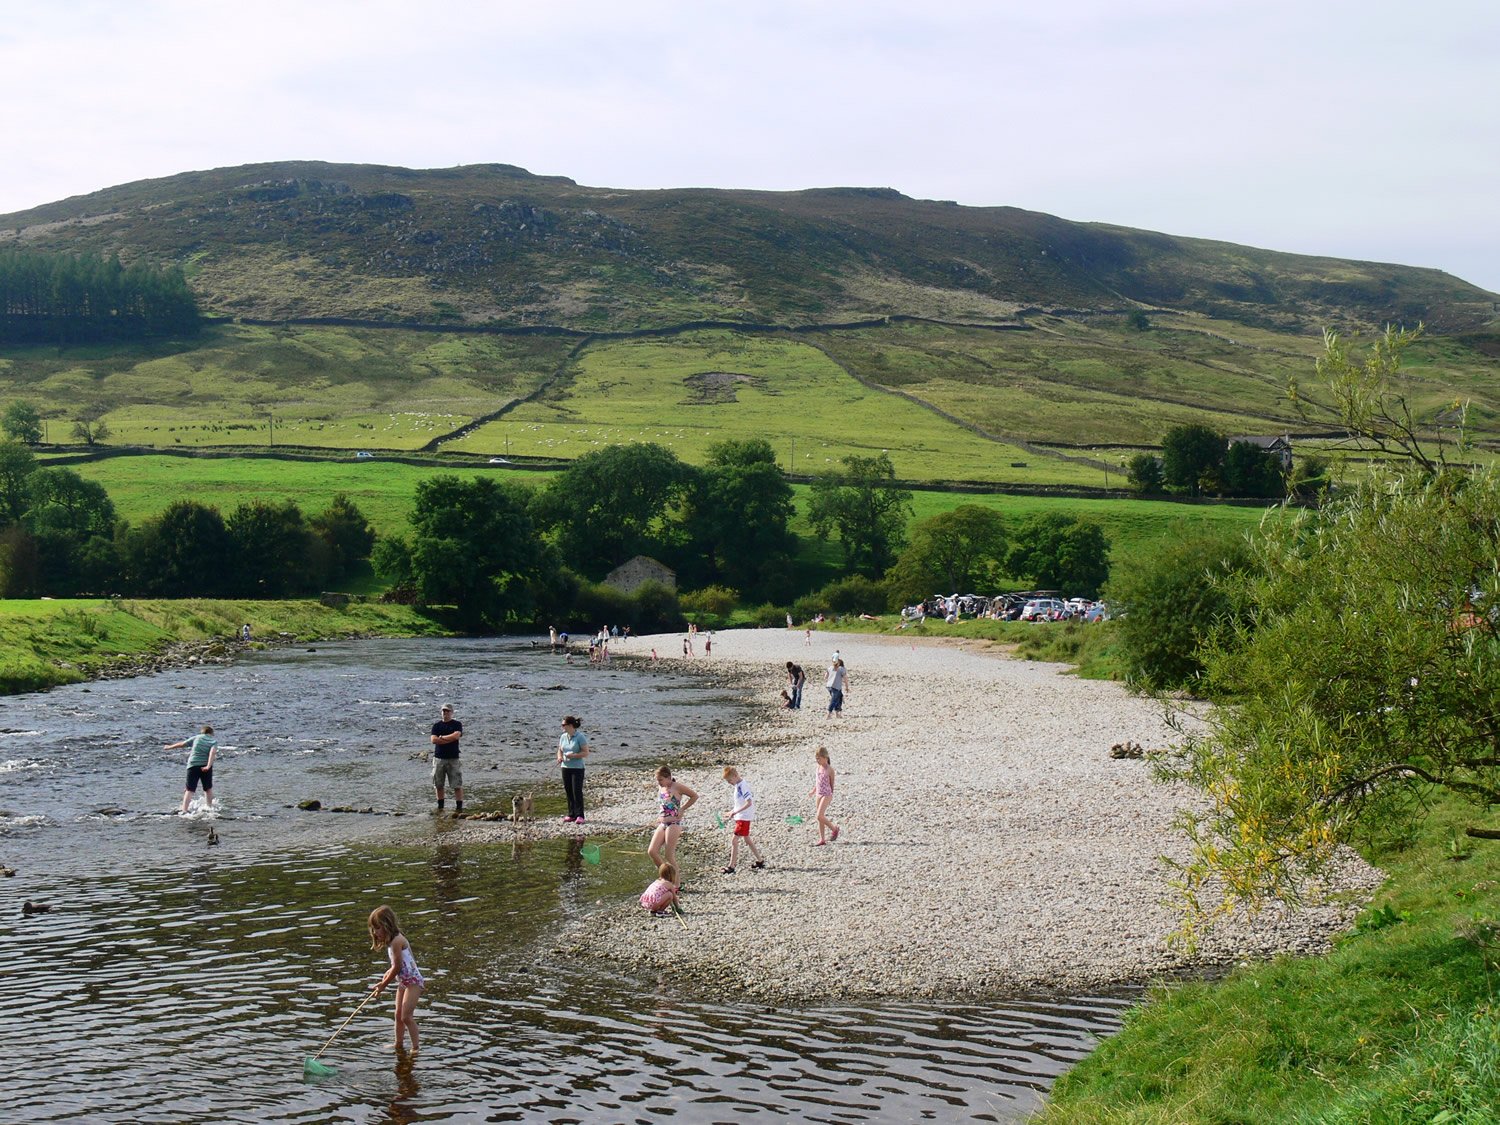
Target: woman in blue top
point(572, 749)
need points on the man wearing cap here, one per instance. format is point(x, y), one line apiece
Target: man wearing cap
point(445, 769)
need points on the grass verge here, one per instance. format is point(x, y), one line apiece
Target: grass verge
point(1092, 649)
point(46, 643)
point(1398, 1023)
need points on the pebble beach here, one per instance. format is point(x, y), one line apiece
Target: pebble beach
point(989, 842)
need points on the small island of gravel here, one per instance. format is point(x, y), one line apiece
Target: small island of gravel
point(990, 843)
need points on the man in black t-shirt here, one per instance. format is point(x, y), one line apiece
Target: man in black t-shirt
point(445, 769)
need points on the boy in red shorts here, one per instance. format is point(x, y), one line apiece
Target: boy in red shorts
point(740, 817)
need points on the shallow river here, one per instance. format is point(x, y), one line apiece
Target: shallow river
point(174, 981)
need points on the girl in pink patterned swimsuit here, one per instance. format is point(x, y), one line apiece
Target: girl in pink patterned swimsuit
point(675, 799)
point(385, 931)
point(823, 791)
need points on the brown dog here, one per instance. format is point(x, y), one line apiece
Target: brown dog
point(522, 808)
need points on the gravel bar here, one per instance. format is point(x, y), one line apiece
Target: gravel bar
point(989, 842)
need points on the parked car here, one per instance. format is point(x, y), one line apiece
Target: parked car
point(1043, 609)
point(363, 455)
point(499, 461)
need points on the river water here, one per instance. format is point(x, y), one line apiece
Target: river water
point(175, 981)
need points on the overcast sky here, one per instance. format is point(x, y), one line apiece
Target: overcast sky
point(1366, 129)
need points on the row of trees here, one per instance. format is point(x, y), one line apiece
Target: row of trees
point(76, 299)
point(503, 552)
point(60, 537)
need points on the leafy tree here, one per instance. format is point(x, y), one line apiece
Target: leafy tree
point(349, 536)
point(17, 463)
point(391, 560)
point(739, 514)
point(73, 523)
point(1173, 597)
point(22, 422)
point(710, 606)
point(1365, 670)
point(62, 501)
point(1252, 471)
point(867, 508)
point(611, 504)
point(1145, 474)
point(656, 608)
point(183, 553)
point(20, 563)
point(1138, 320)
point(271, 551)
point(474, 547)
point(1371, 400)
point(91, 428)
point(1191, 457)
point(961, 551)
point(1059, 552)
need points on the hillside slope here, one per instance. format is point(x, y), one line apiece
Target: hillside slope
point(496, 244)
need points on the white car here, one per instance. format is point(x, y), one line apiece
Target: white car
point(499, 461)
point(362, 455)
point(1042, 609)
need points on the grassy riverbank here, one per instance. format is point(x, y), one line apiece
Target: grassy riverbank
point(46, 643)
point(1092, 648)
point(1400, 1022)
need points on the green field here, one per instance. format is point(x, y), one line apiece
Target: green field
point(1087, 385)
point(337, 388)
point(383, 490)
point(45, 642)
point(691, 391)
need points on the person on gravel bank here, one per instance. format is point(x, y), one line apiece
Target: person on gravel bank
point(823, 791)
point(572, 749)
point(445, 768)
point(675, 799)
point(795, 678)
point(838, 685)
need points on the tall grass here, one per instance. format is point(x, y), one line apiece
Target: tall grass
point(1398, 1023)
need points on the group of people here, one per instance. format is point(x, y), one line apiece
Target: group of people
point(675, 798)
point(836, 680)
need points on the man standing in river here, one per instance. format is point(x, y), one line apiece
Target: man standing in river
point(445, 768)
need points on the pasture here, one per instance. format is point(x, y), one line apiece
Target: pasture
point(253, 386)
point(691, 391)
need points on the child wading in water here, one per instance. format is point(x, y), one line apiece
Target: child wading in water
point(740, 815)
point(670, 793)
point(386, 931)
point(202, 749)
point(660, 895)
point(823, 791)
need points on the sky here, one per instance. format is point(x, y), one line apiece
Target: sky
point(1366, 130)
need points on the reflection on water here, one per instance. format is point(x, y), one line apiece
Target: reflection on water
point(175, 982)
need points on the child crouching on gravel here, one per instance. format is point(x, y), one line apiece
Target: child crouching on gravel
point(740, 816)
point(660, 895)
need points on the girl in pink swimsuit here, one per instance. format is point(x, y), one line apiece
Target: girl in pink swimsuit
point(675, 799)
point(385, 931)
point(823, 791)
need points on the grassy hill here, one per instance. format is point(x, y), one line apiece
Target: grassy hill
point(495, 243)
point(486, 310)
